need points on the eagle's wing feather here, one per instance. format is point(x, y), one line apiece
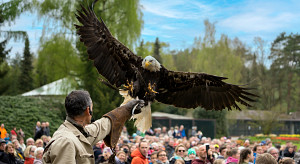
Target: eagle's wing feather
point(190, 90)
point(113, 60)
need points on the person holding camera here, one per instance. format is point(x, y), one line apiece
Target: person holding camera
point(204, 155)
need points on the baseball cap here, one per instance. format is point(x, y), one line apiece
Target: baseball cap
point(2, 141)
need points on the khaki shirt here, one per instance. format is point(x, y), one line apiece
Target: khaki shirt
point(70, 146)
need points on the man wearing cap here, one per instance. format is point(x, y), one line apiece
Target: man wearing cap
point(73, 140)
point(3, 159)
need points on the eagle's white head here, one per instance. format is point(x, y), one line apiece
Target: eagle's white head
point(151, 64)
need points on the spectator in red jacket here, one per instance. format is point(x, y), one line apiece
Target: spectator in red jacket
point(139, 155)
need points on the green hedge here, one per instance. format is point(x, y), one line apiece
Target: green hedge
point(24, 112)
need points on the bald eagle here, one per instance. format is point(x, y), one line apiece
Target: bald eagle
point(148, 80)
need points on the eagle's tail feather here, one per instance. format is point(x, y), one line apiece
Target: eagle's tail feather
point(144, 119)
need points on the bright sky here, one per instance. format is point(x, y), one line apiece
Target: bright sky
point(178, 22)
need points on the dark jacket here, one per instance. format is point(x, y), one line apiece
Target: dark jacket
point(170, 151)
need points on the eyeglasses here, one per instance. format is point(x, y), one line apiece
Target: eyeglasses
point(181, 150)
point(162, 155)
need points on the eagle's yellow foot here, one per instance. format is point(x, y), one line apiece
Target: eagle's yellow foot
point(129, 86)
point(150, 89)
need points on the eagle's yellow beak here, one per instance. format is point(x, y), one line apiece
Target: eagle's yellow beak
point(147, 63)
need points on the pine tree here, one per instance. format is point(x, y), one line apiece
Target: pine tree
point(3, 54)
point(156, 53)
point(25, 79)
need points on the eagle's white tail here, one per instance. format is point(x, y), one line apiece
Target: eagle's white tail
point(144, 119)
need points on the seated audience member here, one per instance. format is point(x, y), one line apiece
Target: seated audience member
point(139, 155)
point(21, 144)
point(121, 158)
point(233, 156)
point(246, 156)
point(162, 157)
point(289, 152)
point(153, 157)
point(105, 156)
point(29, 154)
point(11, 155)
point(223, 151)
point(219, 161)
point(97, 150)
point(3, 157)
point(179, 161)
point(179, 153)
point(287, 160)
point(38, 154)
point(265, 158)
point(191, 156)
point(29, 141)
point(18, 149)
point(39, 143)
point(274, 152)
point(203, 156)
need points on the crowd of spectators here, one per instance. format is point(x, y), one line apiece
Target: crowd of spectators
point(157, 146)
point(13, 150)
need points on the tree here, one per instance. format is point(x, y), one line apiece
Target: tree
point(286, 58)
point(9, 11)
point(57, 59)
point(156, 49)
point(3, 56)
point(25, 79)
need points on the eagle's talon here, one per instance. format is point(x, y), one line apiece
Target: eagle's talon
point(129, 86)
point(150, 88)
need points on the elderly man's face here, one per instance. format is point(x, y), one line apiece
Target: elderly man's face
point(202, 152)
point(30, 142)
point(274, 153)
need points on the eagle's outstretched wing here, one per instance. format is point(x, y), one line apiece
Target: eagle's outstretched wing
point(190, 90)
point(112, 59)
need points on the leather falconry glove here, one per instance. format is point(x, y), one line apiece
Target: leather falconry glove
point(118, 117)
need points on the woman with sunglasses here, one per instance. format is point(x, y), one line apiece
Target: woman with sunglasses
point(162, 158)
point(179, 153)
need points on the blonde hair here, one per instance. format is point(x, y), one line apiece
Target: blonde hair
point(178, 146)
point(179, 161)
point(12, 145)
point(265, 158)
point(219, 161)
point(27, 150)
point(286, 160)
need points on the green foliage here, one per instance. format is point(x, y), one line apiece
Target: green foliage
point(156, 51)
point(3, 56)
point(56, 59)
point(9, 83)
point(24, 112)
point(25, 78)
point(286, 58)
point(9, 11)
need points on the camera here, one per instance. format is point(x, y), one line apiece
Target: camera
point(125, 150)
point(207, 147)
